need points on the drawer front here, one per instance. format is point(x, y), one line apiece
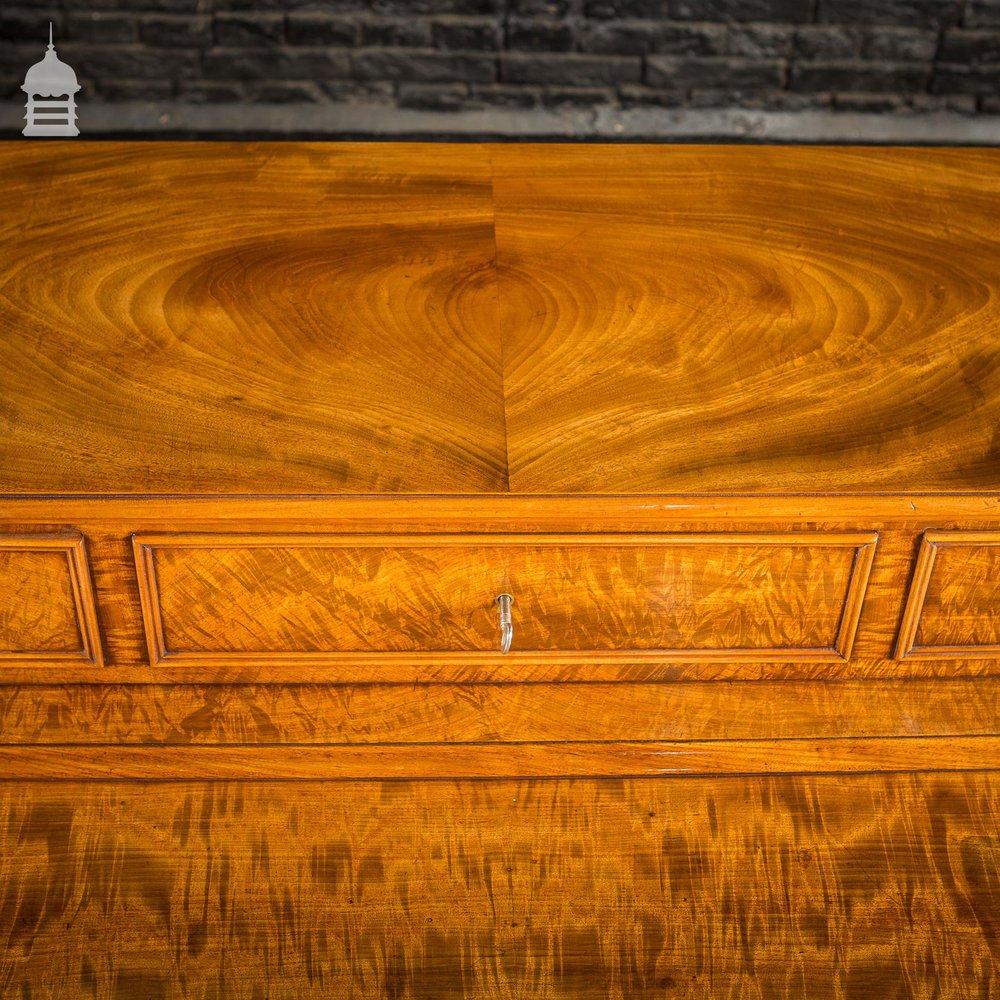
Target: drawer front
point(323, 598)
point(953, 607)
point(47, 610)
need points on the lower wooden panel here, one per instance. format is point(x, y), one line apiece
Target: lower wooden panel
point(499, 760)
point(429, 713)
point(857, 887)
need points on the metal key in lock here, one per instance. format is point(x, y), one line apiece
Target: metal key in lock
point(504, 602)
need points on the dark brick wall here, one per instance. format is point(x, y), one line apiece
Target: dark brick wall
point(871, 55)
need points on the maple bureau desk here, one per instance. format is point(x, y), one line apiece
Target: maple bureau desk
point(720, 429)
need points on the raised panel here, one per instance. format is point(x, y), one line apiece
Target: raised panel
point(324, 598)
point(47, 608)
point(953, 607)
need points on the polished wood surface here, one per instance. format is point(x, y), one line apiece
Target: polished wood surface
point(231, 318)
point(277, 424)
point(606, 589)
point(438, 761)
point(839, 887)
point(710, 319)
point(324, 714)
point(954, 603)
point(321, 598)
point(47, 609)
point(409, 318)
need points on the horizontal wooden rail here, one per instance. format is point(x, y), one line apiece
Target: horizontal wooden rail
point(498, 760)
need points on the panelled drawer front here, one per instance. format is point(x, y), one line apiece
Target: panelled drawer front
point(47, 610)
point(953, 606)
point(211, 598)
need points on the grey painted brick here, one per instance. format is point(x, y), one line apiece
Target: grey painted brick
point(284, 92)
point(370, 91)
point(568, 69)
point(757, 100)
point(179, 32)
point(133, 6)
point(640, 37)
point(627, 8)
point(714, 73)
point(963, 103)
point(636, 96)
point(875, 55)
point(500, 95)
point(618, 37)
point(982, 14)
point(903, 13)
point(827, 42)
point(858, 76)
point(544, 8)
point(102, 29)
point(130, 62)
point(690, 39)
point(310, 28)
point(433, 96)
point(970, 46)
point(211, 92)
point(30, 26)
point(423, 67)
point(275, 64)
point(779, 11)
point(900, 44)
point(580, 96)
point(538, 35)
point(467, 33)
point(786, 101)
point(276, 5)
point(960, 79)
point(760, 41)
point(869, 103)
point(246, 30)
point(395, 32)
point(135, 90)
point(436, 7)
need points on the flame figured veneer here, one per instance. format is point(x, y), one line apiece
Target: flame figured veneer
point(279, 422)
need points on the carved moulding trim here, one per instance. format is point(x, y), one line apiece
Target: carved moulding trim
point(73, 546)
point(931, 543)
point(839, 650)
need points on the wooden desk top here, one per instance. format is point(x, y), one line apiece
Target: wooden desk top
point(415, 318)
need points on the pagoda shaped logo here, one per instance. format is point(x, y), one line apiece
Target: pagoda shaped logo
point(51, 87)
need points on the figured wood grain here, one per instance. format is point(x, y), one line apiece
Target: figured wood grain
point(953, 607)
point(470, 713)
point(828, 887)
point(242, 318)
point(435, 761)
point(334, 598)
point(762, 319)
point(255, 320)
point(407, 318)
point(108, 524)
point(47, 609)
point(557, 513)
